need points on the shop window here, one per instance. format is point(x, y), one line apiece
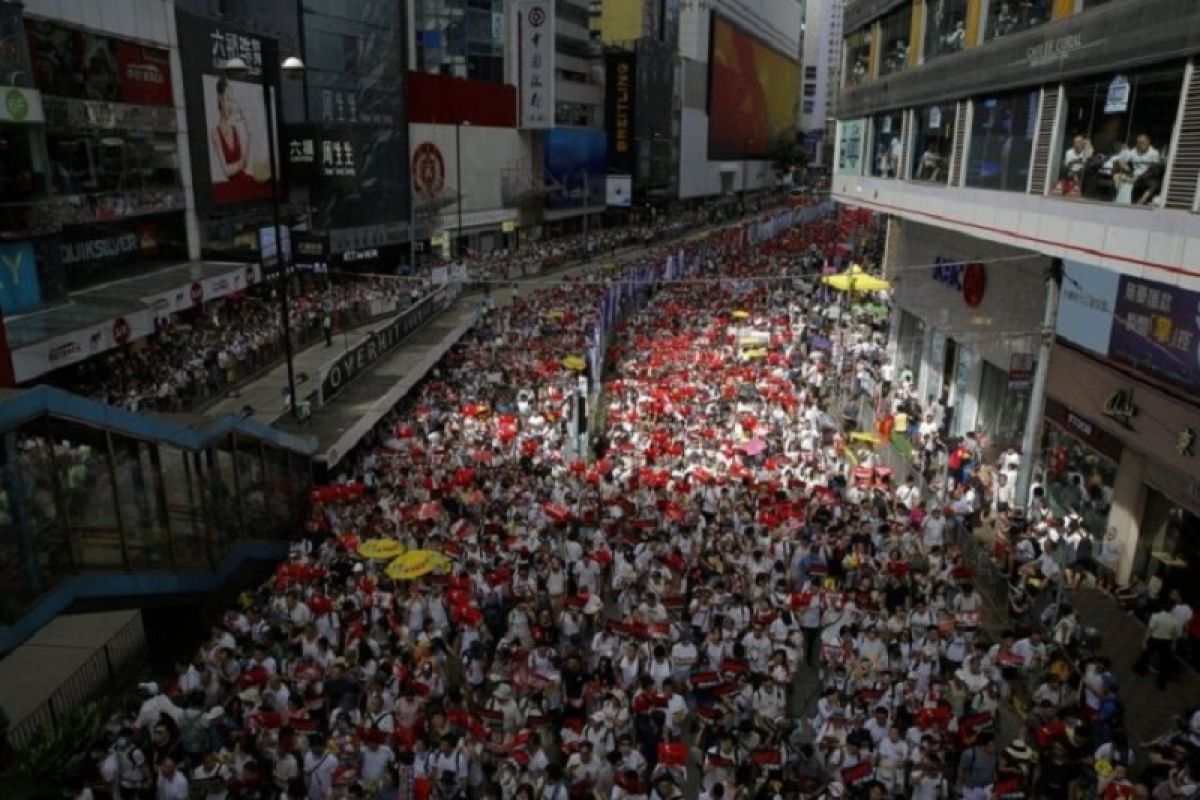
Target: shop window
point(886, 156)
point(945, 27)
point(83, 163)
point(1116, 132)
point(896, 29)
point(1002, 142)
point(1077, 479)
point(1012, 16)
point(933, 140)
point(1001, 409)
point(858, 58)
point(22, 168)
point(1168, 548)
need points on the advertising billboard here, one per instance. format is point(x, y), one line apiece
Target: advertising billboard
point(488, 155)
point(575, 167)
point(618, 191)
point(620, 69)
point(1150, 326)
point(227, 118)
point(87, 66)
point(19, 287)
point(753, 91)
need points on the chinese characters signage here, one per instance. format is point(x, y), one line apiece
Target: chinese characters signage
point(537, 63)
point(72, 63)
point(1150, 326)
point(1156, 328)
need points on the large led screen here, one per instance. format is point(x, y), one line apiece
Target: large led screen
point(753, 90)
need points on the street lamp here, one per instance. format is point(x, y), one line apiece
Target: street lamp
point(292, 68)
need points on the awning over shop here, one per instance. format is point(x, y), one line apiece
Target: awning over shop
point(105, 317)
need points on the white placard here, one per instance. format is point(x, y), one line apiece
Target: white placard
point(536, 42)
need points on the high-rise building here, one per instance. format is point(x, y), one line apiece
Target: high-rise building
point(1041, 165)
point(462, 38)
point(822, 67)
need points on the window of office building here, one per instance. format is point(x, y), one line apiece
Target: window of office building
point(851, 133)
point(885, 157)
point(1012, 16)
point(1116, 133)
point(858, 57)
point(945, 27)
point(896, 29)
point(22, 165)
point(933, 140)
point(810, 73)
point(1001, 144)
point(87, 162)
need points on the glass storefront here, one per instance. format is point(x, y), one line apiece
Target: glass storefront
point(1168, 550)
point(1001, 144)
point(858, 58)
point(933, 141)
point(1116, 133)
point(896, 28)
point(945, 27)
point(1001, 410)
point(1080, 467)
point(886, 128)
point(1005, 17)
point(909, 344)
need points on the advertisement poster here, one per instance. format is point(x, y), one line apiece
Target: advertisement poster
point(1086, 306)
point(752, 96)
point(87, 66)
point(536, 46)
point(618, 191)
point(850, 146)
point(575, 167)
point(1156, 330)
point(19, 287)
point(227, 117)
point(238, 151)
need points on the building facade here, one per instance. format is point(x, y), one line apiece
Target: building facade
point(738, 91)
point(821, 83)
point(1009, 134)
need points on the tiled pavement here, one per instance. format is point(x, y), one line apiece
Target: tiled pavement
point(1148, 711)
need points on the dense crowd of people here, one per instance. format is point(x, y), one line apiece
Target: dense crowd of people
point(194, 357)
point(731, 600)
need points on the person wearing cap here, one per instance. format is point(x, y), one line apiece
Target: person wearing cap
point(154, 705)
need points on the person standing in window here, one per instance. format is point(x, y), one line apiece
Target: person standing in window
point(1075, 162)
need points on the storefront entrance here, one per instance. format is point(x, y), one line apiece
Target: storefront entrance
point(1168, 550)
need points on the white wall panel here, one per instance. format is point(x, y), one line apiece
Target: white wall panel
point(144, 20)
point(1158, 244)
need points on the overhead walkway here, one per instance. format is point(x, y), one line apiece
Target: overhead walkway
point(96, 501)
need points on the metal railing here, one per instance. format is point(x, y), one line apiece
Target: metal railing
point(106, 669)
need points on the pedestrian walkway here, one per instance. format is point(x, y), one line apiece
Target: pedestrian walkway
point(1148, 711)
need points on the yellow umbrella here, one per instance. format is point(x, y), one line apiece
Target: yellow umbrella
point(741, 315)
point(856, 280)
point(380, 549)
point(574, 362)
point(417, 563)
